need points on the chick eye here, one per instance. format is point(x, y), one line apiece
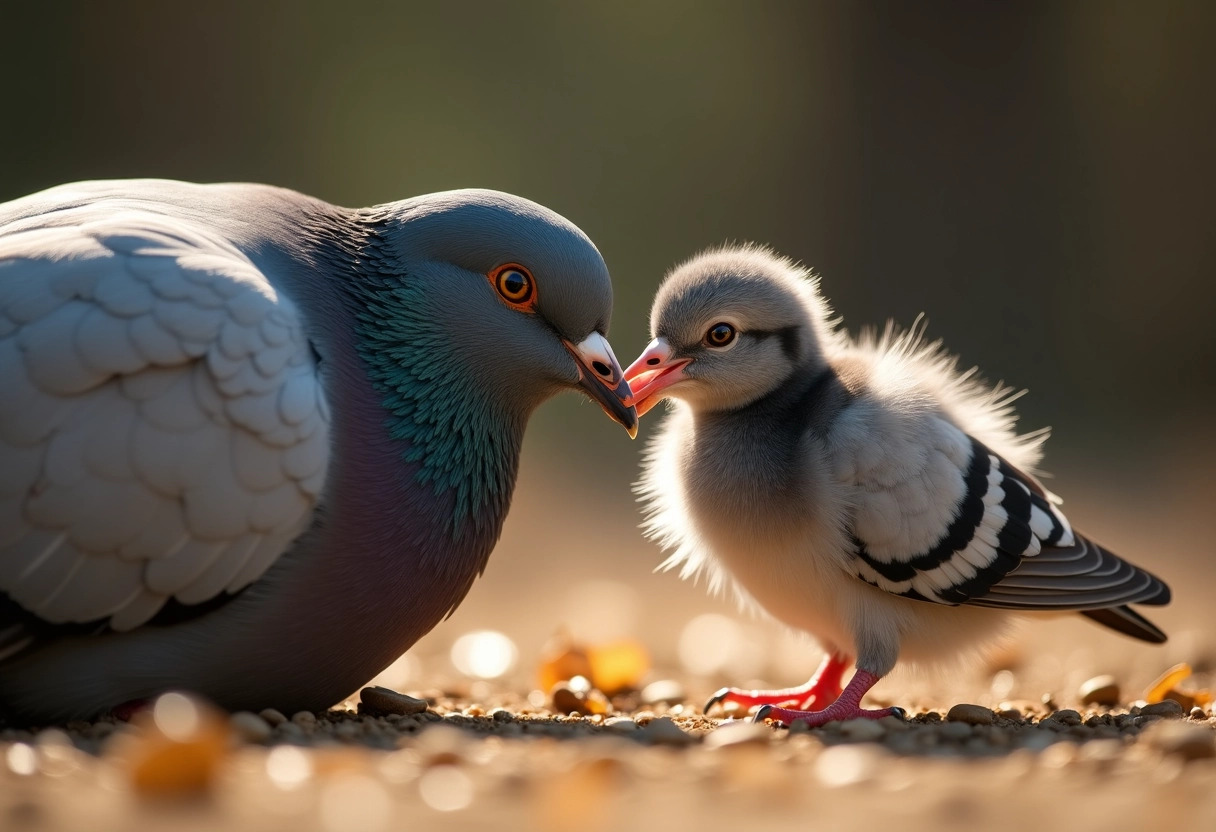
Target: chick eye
point(515, 284)
point(720, 335)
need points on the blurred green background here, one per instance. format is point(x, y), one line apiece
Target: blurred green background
point(1037, 177)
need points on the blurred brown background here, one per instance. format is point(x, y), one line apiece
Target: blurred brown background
point(1037, 177)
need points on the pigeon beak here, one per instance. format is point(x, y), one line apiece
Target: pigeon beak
point(600, 376)
point(655, 370)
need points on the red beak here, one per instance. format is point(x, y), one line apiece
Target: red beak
point(654, 371)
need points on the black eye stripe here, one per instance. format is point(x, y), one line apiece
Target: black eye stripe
point(791, 343)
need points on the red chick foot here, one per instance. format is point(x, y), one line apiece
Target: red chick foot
point(847, 706)
point(821, 690)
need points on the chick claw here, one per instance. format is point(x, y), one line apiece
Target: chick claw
point(848, 706)
point(797, 697)
point(822, 689)
point(832, 713)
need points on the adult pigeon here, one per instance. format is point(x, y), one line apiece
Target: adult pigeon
point(255, 445)
point(864, 491)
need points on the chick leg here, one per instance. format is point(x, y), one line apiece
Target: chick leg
point(822, 689)
point(848, 706)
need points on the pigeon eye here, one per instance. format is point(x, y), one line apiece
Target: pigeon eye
point(720, 335)
point(515, 284)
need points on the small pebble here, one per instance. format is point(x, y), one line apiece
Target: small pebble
point(1037, 740)
point(955, 731)
point(1167, 708)
point(739, 732)
point(347, 730)
point(273, 717)
point(863, 730)
point(305, 719)
point(894, 724)
point(905, 743)
point(577, 696)
point(663, 731)
point(566, 700)
point(999, 738)
point(971, 714)
point(250, 726)
point(379, 701)
point(1100, 690)
point(664, 690)
point(1067, 716)
point(1198, 713)
point(290, 729)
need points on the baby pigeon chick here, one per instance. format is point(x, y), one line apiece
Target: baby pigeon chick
point(864, 491)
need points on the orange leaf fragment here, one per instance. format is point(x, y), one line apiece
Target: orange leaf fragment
point(1166, 682)
point(618, 666)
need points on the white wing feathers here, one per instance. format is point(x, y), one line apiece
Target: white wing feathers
point(963, 526)
point(163, 433)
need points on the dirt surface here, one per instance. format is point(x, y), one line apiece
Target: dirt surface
point(489, 753)
point(510, 762)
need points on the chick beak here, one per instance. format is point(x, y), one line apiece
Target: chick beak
point(600, 376)
point(655, 370)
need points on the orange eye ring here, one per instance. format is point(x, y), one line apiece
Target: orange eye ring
point(515, 285)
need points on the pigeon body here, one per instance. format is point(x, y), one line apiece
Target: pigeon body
point(255, 445)
point(862, 490)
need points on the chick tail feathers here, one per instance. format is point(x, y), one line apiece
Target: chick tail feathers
point(1127, 621)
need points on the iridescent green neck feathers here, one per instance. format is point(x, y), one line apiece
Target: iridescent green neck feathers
point(463, 441)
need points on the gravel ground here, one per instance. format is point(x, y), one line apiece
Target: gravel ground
point(442, 762)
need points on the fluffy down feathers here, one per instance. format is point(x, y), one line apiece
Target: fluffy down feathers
point(874, 496)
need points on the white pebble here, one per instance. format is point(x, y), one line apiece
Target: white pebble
point(620, 724)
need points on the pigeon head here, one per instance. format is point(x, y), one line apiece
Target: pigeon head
point(729, 326)
point(523, 295)
point(472, 308)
